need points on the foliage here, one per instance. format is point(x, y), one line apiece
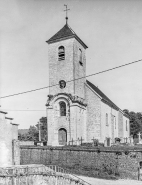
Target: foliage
point(22, 137)
point(22, 134)
point(135, 122)
point(33, 132)
point(43, 128)
point(117, 139)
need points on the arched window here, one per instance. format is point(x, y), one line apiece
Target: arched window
point(106, 119)
point(80, 57)
point(62, 108)
point(61, 53)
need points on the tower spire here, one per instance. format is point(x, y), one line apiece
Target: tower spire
point(66, 13)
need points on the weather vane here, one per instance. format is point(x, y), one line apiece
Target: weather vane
point(66, 13)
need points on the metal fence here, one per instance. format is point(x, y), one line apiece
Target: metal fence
point(26, 175)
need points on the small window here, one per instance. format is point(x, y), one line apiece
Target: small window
point(61, 53)
point(126, 126)
point(80, 57)
point(106, 119)
point(62, 108)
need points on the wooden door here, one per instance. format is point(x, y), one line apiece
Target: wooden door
point(62, 136)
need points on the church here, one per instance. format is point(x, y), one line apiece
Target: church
point(76, 108)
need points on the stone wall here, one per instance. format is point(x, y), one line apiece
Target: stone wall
point(36, 175)
point(61, 70)
point(109, 130)
point(26, 143)
point(120, 125)
point(93, 123)
point(5, 141)
point(8, 133)
point(15, 152)
point(103, 162)
point(79, 70)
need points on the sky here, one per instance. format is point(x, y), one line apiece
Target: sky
point(112, 30)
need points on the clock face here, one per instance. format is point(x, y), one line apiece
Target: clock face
point(62, 84)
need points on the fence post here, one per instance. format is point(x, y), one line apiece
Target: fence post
point(138, 173)
point(27, 176)
point(13, 177)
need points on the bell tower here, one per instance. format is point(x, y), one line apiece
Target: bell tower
point(66, 105)
point(67, 63)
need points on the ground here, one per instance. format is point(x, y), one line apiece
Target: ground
point(95, 181)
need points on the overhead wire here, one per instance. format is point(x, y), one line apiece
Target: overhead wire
point(104, 71)
point(22, 110)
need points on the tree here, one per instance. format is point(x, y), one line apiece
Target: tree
point(23, 134)
point(43, 128)
point(135, 122)
point(22, 137)
point(33, 134)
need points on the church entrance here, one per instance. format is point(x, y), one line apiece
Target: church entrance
point(62, 135)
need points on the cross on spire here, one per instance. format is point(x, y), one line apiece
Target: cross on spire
point(66, 13)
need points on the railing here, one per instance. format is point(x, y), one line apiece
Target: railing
point(58, 169)
point(23, 174)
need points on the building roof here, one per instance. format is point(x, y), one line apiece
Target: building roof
point(8, 118)
point(3, 112)
point(105, 99)
point(65, 33)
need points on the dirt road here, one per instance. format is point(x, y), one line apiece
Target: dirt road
point(95, 181)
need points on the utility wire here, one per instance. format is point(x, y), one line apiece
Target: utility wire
point(22, 110)
point(73, 79)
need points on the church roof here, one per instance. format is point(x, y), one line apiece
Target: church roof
point(65, 33)
point(105, 99)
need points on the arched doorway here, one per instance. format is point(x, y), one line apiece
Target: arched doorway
point(62, 135)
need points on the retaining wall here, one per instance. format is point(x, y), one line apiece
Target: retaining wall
point(103, 162)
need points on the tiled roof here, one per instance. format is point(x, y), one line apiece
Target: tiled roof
point(105, 99)
point(3, 112)
point(8, 118)
point(65, 33)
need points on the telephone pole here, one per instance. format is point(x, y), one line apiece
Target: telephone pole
point(39, 131)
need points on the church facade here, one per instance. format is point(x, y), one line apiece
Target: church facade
point(76, 108)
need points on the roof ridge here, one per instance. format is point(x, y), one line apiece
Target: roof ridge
point(104, 97)
point(71, 30)
point(65, 33)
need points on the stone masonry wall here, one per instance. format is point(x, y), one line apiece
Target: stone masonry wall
point(107, 129)
point(92, 162)
point(120, 125)
point(9, 152)
point(61, 70)
point(93, 115)
point(5, 141)
point(79, 70)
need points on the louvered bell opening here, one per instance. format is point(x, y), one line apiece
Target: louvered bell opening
point(61, 56)
point(61, 53)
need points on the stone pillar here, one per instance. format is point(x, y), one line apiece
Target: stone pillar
point(55, 141)
point(5, 140)
point(15, 152)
